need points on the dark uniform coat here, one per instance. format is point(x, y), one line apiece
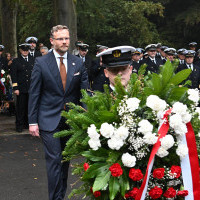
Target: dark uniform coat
point(151, 66)
point(135, 65)
point(194, 76)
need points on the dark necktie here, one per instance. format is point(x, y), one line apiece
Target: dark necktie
point(31, 54)
point(63, 73)
point(26, 59)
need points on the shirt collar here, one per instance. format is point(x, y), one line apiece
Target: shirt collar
point(57, 55)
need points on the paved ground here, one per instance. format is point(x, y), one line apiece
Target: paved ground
point(22, 165)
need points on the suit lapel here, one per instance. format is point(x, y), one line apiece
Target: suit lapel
point(54, 69)
point(71, 66)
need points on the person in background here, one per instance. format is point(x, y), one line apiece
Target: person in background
point(192, 46)
point(21, 69)
point(44, 50)
point(97, 69)
point(170, 54)
point(33, 42)
point(181, 56)
point(117, 62)
point(8, 61)
point(135, 61)
point(57, 79)
point(76, 50)
point(2, 59)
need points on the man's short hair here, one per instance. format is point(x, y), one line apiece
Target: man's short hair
point(57, 28)
point(45, 48)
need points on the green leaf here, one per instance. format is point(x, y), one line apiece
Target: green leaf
point(101, 180)
point(178, 94)
point(114, 187)
point(113, 157)
point(95, 169)
point(95, 156)
point(124, 182)
point(167, 72)
point(180, 76)
point(156, 83)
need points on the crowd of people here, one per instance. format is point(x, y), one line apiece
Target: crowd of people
point(43, 81)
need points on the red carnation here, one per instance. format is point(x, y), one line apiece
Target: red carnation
point(170, 193)
point(182, 193)
point(158, 173)
point(116, 170)
point(97, 194)
point(1, 75)
point(86, 166)
point(155, 192)
point(135, 174)
point(132, 193)
point(176, 170)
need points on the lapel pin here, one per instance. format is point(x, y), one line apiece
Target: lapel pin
point(73, 63)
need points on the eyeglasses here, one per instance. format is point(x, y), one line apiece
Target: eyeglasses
point(61, 39)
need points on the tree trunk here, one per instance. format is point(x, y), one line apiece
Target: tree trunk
point(8, 10)
point(65, 14)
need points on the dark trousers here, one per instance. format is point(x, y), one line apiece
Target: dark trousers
point(22, 111)
point(57, 172)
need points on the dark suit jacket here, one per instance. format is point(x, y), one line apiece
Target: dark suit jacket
point(151, 66)
point(194, 76)
point(47, 96)
point(21, 73)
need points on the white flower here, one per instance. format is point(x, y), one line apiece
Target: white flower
point(115, 143)
point(2, 71)
point(198, 111)
point(107, 130)
point(3, 80)
point(193, 95)
point(186, 117)
point(167, 142)
point(155, 103)
point(122, 133)
point(179, 108)
point(92, 132)
point(94, 144)
point(175, 120)
point(162, 152)
point(181, 129)
point(132, 104)
point(145, 127)
point(182, 150)
point(150, 138)
point(128, 160)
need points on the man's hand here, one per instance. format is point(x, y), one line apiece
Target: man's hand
point(16, 92)
point(34, 130)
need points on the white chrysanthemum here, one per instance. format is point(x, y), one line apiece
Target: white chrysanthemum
point(175, 120)
point(150, 138)
point(162, 152)
point(92, 132)
point(115, 143)
point(122, 133)
point(182, 150)
point(107, 130)
point(181, 129)
point(2, 71)
point(145, 127)
point(167, 142)
point(128, 160)
point(186, 117)
point(3, 80)
point(179, 108)
point(132, 104)
point(193, 95)
point(155, 103)
point(94, 144)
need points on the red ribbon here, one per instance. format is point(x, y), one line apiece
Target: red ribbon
point(194, 162)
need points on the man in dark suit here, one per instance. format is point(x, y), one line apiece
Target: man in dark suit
point(195, 74)
point(57, 79)
point(152, 62)
point(170, 54)
point(135, 61)
point(2, 59)
point(21, 69)
point(181, 56)
point(33, 41)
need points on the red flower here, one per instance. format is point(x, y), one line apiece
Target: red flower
point(182, 193)
point(135, 174)
point(158, 173)
point(116, 170)
point(176, 170)
point(86, 166)
point(170, 193)
point(132, 193)
point(97, 194)
point(1, 75)
point(155, 192)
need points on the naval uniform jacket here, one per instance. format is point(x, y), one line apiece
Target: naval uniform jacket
point(21, 73)
point(194, 76)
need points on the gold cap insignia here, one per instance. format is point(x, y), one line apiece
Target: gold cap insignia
point(116, 53)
